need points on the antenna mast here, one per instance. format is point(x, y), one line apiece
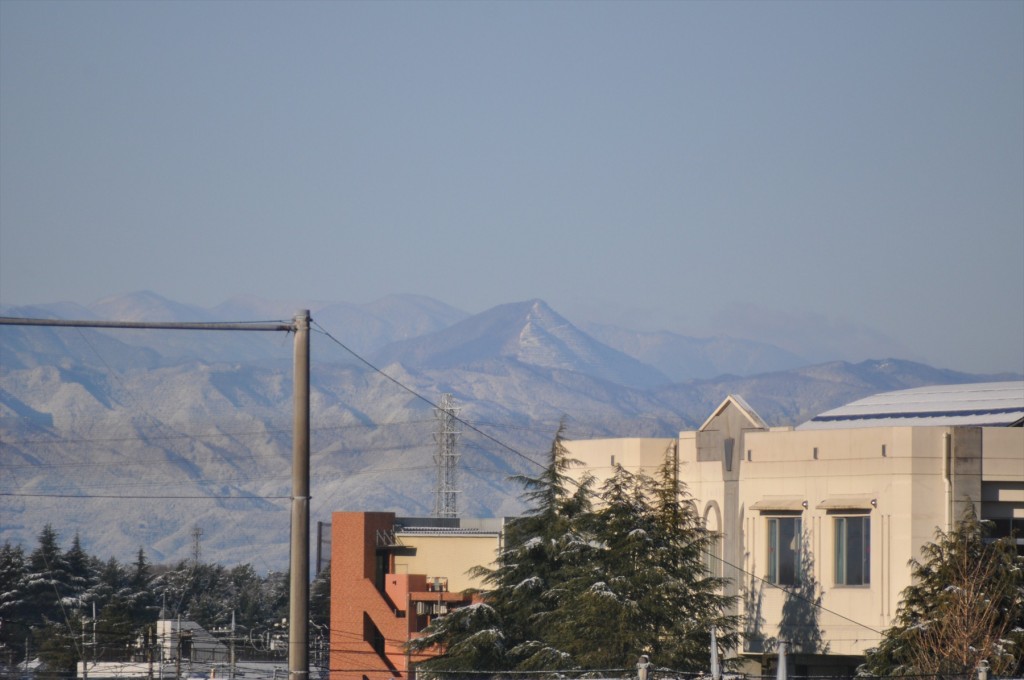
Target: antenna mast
point(197, 536)
point(446, 458)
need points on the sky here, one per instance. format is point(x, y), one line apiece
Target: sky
point(844, 179)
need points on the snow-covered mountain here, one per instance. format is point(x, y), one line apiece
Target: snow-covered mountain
point(132, 438)
point(531, 333)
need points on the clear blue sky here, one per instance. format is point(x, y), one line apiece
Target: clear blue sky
point(808, 172)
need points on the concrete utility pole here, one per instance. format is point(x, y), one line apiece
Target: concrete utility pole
point(298, 656)
point(298, 621)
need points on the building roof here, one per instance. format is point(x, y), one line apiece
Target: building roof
point(741, 404)
point(996, 404)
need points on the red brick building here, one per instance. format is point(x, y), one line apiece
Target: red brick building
point(377, 605)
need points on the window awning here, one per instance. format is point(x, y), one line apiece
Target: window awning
point(788, 503)
point(846, 503)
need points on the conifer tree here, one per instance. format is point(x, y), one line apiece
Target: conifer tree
point(47, 579)
point(507, 630)
point(643, 587)
point(540, 545)
point(695, 601)
point(320, 598)
point(13, 599)
point(600, 615)
point(579, 587)
point(79, 571)
point(141, 600)
point(966, 605)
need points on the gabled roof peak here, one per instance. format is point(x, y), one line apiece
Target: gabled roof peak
point(740, 403)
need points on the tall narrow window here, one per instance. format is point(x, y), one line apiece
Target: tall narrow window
point(713, 556)
point(853, 551)
point(784, 550)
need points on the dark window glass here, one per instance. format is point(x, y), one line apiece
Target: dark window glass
point(784, 550)
point(853, 551)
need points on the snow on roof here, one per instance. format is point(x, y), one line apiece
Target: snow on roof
point(981, 404)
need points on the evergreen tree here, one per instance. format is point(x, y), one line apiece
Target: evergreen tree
point(508, 630)
point(48, 580)
point(320, 616)
point(59, 647)
point(599, 617)
point(320, 598)
point(966, 605)
point(247, 596)
point(115, 628)
point(694, 601)
point(643, 588)
point(275, 592)
point(141, 599)
point(14, 603)
point(579, 587)
point(79, 572)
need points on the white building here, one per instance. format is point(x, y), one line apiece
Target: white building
point(818, 522)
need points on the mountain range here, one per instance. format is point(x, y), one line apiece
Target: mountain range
point(138, 438)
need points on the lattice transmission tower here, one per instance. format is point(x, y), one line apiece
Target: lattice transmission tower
point(447, 458)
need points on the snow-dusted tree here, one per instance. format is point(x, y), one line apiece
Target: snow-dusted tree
point(600, 608)
point(579, 587)
point(509, 630)
point(115, 627)
point(14, 624)
point(682, 627)
point(642, 586)
point(80, 575)
point(469, 638)
point(966, 605)
point(48, 580)
point(140, 600)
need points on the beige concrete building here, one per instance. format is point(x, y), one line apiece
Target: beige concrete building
point(818, 522)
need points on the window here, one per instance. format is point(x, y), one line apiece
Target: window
point(853, 551)
point(784, 550)
point(713, 556)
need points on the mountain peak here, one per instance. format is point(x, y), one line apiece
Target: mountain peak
point(529, 332)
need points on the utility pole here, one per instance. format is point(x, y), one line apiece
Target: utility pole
point(85, 657)
point(298, 621)
point(231, 671)
point(177, 661)
point(446, 458)
point(298, 657)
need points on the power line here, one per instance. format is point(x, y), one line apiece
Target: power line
point(416, 394)
point(145, 497)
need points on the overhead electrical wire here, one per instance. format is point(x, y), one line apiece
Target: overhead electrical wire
point(419, 396)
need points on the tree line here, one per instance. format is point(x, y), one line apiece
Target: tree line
point(48, 597)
